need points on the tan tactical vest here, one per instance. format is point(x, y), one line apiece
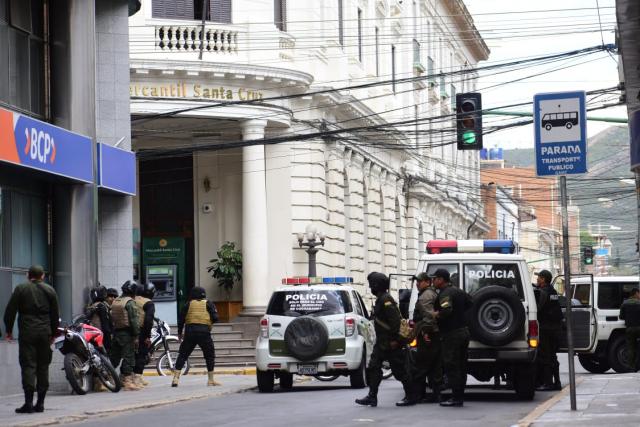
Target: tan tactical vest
point(140, 302)
point(119, 312)
point(198, 313)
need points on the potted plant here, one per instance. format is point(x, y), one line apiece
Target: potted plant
point(227, 270)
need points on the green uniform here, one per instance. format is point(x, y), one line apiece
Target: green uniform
point(387, 319)
point(36, 303)
point(451, 305)
point(550, 322)
point(124, 313)
point(428, 360)
point(630, 313)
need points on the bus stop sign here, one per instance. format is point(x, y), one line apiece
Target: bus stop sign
point(559, 122)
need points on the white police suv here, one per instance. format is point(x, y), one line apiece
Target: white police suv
point(503, 319)
point(313, 326)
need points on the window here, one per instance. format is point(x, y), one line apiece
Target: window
point(309, 302)
point(340, 24)
point(393, 68)
point(360, 34)
point(356, 303)
point(377, 41)
point(197, 10)
point(22, 69)
point(451, 268)
point(612, 294)
point(362, 304)
point(478, 276)
point(280, 14)
point(217, 10)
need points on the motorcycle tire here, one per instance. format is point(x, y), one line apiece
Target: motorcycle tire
point(79, 381)
point(108, 375)
point(164, 368)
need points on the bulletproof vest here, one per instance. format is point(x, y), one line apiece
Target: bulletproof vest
point(95, 318)
point(140, 302)
point(119, 313)
point(198, 313)
point(460, 302)
point(551, 312)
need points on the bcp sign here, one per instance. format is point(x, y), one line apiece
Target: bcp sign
point(28, 142)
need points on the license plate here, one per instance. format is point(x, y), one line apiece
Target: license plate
point(308, 369)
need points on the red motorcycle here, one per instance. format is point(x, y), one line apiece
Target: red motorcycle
point(85, 357)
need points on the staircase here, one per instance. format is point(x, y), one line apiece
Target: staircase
point(232, 348)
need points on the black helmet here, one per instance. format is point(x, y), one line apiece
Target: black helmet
point(149, 290)
point(378, 282)
point(99, 293)
point(197, 292)
point(130, 287)
point(112, 292)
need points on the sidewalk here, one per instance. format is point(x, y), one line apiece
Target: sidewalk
point(61, 408)
point(607, 399)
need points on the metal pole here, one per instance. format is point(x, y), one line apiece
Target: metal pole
point(312, 260)
point(205, 4)
point(567, 287)
point(637, 175)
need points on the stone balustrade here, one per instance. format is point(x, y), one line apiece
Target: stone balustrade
point(185, 38)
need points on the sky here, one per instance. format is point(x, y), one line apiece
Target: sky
point(532, 33)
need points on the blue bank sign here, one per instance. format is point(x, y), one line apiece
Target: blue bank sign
point(117, 169)
point(559, 121)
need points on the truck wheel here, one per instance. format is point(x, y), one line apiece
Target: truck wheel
point(265, 381)
point(497, 316)
point(358, 376)
point(306, 338)
point(524, 381)
point(618, 354)
point(594, 364)
point(286, 381)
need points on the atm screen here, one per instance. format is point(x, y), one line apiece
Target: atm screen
point(164, 279)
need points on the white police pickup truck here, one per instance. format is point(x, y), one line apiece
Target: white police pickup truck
point(314, 326)
point(503, 320)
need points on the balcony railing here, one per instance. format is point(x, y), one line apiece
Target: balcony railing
point(184, 38)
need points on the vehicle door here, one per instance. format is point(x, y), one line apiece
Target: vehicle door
point(365, 328)
point(610, 295)
point(583, 314)
point(430, 268)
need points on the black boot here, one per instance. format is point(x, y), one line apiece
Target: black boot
point(434, 397)
point(410, 398)
point(40, 403)
point(406, 401)
point(368, 400)
point(27, 408)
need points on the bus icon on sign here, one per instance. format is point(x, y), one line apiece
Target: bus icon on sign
point(567, 119)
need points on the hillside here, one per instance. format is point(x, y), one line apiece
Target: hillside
point(603, 200)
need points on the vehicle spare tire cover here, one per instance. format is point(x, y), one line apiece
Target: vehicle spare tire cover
point(497, 316)
point(306, 338)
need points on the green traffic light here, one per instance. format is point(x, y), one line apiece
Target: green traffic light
point(469, 137)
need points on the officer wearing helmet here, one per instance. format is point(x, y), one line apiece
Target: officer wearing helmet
point(112, 294)
point(388, 346)
point(146, 313)
point(197, 317)
point(99, 314)
point(124, 313)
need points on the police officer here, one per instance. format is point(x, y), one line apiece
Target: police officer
point(196, 318)
point(112, 294)
point(99, 314)
point(630, 313)
point(36, 305)
point(124, 313)
point(146, 313)
point(550, 321)
point(388, 346)
point(428, 360)
point(450, 308)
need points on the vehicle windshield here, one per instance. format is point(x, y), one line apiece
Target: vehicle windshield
point(478, 276)
point(309, 302)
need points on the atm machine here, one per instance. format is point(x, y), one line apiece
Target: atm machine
point(165, 279)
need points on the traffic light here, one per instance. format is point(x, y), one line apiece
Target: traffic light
point(469, 121)
point(587, 255)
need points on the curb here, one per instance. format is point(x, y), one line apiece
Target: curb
point(221, 371)
point(539, 410)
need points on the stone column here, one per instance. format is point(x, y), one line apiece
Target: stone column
point(255, 268)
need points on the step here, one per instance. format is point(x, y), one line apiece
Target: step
point(227, 335)
point(233, 343)
point(233, 351)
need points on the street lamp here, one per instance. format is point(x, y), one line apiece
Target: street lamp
point(314, 238)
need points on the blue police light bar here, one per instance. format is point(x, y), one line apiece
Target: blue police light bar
point(499, 246)
point(337, 280)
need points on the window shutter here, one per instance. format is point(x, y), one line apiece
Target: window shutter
point(220, 11)
point(172, 9)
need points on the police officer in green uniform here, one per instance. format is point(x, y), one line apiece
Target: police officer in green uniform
point(146, 313)
point(197, 317)
point(36, 305)
point(428, 360)
point(388, 346)
point(450, 308)
point(550, 321)
point(125, 338)
point(630, 313)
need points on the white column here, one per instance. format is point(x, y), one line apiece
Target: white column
point(255, 269)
